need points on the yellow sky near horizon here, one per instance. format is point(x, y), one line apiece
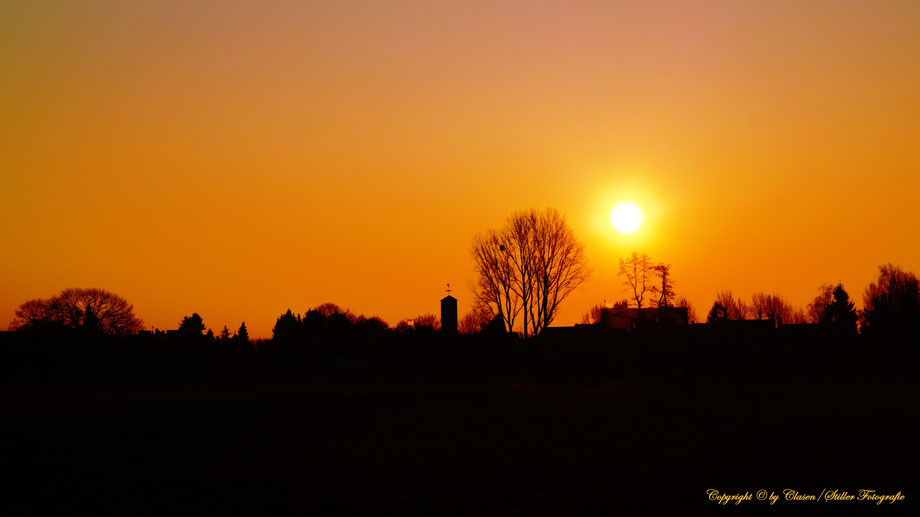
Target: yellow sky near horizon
point(237, 159)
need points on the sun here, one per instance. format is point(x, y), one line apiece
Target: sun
point(626, 217)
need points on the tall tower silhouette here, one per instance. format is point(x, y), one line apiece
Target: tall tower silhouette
point(449, 313)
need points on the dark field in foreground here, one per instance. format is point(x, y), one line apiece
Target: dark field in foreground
point(624, 447)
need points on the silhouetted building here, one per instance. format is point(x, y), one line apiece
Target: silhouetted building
point(621, 317)
point(449, 313)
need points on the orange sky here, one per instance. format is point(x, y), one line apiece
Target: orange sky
point(238, 159)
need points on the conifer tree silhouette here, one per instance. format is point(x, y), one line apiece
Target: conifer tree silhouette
point(242, 335)
point(840, 313)
point(192, 325)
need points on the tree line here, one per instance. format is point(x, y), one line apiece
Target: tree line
point(526, 269)
point(891, 307)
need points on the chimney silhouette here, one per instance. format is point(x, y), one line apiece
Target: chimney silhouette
point(449, 313)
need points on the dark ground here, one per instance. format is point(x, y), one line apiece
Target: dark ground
point(464, 448)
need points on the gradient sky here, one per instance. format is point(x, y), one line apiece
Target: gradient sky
point(237, 159)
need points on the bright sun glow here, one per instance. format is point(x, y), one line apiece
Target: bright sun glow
point(626, 217)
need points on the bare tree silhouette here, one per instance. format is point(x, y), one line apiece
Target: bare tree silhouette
point(891, 304)
point(735, 308)
point(759, 304)
point(666, 291)
point(775, 307)
point(424, 323)
point(476, 320)
point(496, 277)
point(691, 310)
point(637, 272)
point(593, 316)
point(91, 309)
point(529, 267)
point(815, 309)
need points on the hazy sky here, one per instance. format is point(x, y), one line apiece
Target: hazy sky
point(237, 159)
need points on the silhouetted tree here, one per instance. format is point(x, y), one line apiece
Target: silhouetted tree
point(370, 330)
point(96, 309)
point(637, 271)
point(735, 309)
point(691, 311)
point(428, 323)
point(529, 268)
point(324, 330)
point(481, 315)
point(779, 310)
point(775, 307)
point(35, 314)
point(798, 316)
point(328, 325)
point(192, 325)
point(224, 334)
point(475, 321)
point(495, 327)
point(891, 304)
point(840, 313)
point(91, 323)
point(330, 310)
point(666, 291)
point(759, 303)
point(593, 316)
point(287, 329)
point(242, 335)
point(815, 309)
point(716, 313)
point(497, 278)
point(403, 326)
